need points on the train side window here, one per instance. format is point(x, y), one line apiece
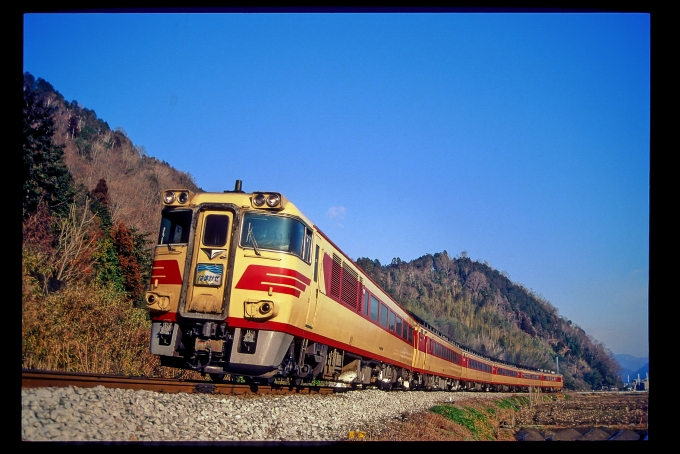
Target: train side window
point(399, 329)
point(366, 303)
point(410, 334)
point(392, 320)
point(374, 308)
point(316, 263)
point(215, 230)
point(383, 315)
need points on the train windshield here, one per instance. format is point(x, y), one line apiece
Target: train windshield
point(276, 233)
point(175, 226)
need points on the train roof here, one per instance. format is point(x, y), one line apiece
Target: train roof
point(240, 198)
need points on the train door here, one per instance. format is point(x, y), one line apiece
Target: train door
point(207, 281)
point(422, 347)
point(414, 344)
point(464, 363)
point(313, 301)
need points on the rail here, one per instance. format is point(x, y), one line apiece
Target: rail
point(45, 379)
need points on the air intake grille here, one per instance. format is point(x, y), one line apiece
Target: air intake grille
point(336, 276)
point(345, 284)
point(350, 287)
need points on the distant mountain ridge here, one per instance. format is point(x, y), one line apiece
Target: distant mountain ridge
point(632, 366)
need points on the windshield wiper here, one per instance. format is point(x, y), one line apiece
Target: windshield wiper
point(162, 235)
point(251, 237)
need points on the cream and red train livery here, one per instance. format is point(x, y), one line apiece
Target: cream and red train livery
point(244, 284)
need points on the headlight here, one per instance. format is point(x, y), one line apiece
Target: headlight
point(258, 200)
point(183, 197)
point(273, 200)
point(169, 197)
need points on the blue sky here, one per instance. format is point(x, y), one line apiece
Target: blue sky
point(522, 139)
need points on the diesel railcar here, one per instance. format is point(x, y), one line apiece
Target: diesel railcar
point(243, 284)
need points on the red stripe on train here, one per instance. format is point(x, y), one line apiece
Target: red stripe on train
point(295, 331)
point(166, 272)
point(280, 280)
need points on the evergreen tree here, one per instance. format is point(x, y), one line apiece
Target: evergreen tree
point(108, 265)
point(45, 176)
point(101, 205)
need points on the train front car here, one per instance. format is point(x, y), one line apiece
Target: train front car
point(231, 273)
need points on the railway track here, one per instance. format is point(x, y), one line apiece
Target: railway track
point(44, 379)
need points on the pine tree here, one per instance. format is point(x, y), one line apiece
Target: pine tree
point(45, 176)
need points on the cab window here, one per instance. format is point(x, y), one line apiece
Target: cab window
point(216, 230)
point(276, 233)
point(175, 227)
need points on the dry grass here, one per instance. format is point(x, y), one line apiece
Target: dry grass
point(85, 327)
point(498, 420)
point(481, 421)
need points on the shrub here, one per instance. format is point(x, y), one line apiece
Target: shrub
point(85, 327)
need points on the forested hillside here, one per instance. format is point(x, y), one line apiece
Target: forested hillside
point(91, 205)
point(484, 310)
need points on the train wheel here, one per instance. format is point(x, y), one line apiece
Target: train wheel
point(385, 386)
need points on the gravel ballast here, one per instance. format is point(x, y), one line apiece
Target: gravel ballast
point(106, 414)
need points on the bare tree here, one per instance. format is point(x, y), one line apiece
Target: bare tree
point(75, 244)
point(476, 282)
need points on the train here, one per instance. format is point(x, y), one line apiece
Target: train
point(244, 286)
